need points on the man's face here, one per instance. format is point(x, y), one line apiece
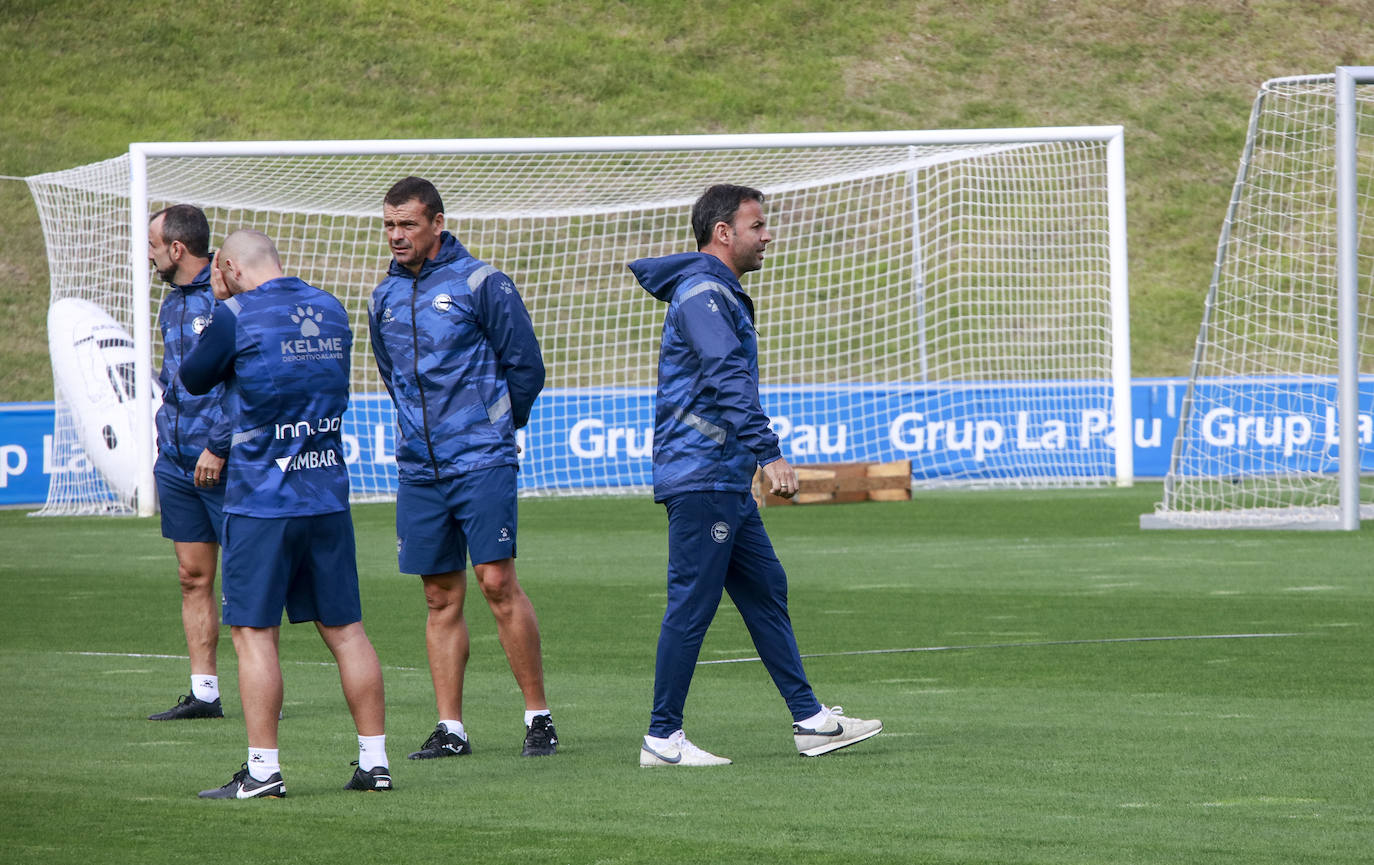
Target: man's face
point(748, 239)
point(412, 236)
point(160, 253)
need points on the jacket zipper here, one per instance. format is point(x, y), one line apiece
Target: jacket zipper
point(415, 366)
point(181, 345)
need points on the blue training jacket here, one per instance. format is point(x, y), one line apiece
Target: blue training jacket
point(456, 349)
point(283, 351)
point(186, 423)
point(710, 432)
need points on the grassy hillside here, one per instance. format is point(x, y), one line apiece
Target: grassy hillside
point(79, 81)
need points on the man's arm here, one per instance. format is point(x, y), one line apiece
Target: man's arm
point(707, 321)
point(217, 442)
point(507, 325)
point(379, 352)
point(212, 360)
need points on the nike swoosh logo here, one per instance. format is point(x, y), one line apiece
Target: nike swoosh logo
point(838, 731)
point(245, 793)
point(677, 759)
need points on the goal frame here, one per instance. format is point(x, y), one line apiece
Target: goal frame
point(1347, 518)
point(1112, 136)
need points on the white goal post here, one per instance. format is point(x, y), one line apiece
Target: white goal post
point(957, 298)
point(1272, 425)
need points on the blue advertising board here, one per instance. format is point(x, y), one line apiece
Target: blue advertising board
point(977, 431)
point(26, 452)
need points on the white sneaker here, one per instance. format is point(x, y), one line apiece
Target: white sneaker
point(837, 731)
point(676, 751)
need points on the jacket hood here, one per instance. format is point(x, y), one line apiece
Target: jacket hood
point(450, 250)
point(661, 276)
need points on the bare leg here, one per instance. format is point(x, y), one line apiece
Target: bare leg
point(446, 640)
point(517, 627)
point(360, 674)
point(199, 612)
point(260, 682)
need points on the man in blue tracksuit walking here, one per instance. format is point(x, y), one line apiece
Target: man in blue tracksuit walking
point(710, 432)
point(456, 350)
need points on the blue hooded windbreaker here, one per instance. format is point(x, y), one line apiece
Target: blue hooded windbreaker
point(457, 352)
point(710, 432)
point(187, 424)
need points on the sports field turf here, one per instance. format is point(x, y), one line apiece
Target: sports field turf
point(1032, 721)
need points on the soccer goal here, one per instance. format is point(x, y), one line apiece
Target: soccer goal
point(957, 298)
point(1277, 406)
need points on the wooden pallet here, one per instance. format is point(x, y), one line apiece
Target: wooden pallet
point(834, 483)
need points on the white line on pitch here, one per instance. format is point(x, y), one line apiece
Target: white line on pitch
point(187, 658)
point(126, 655)
point(1014, 646)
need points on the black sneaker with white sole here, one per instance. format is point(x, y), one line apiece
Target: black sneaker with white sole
point(188, 706)
point(442, 743)
point(541, 740)
point(244, 786)
point(373, 780)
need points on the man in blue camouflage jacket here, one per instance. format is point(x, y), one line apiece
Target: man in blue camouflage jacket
point(282, 348)
point(192, 442)
point(710, 433)
point(457, 352)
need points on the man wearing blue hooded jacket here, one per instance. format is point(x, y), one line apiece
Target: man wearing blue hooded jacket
point(710, 432)
point(456, 350)
point(192, 443)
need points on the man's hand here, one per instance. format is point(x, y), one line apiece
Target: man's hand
point(208, 469)
point(782, 478)
point(217, 285)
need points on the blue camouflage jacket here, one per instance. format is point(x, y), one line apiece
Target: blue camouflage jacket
point(187, 424)
point(283, 350)
point(457, 352)
point(710, 432)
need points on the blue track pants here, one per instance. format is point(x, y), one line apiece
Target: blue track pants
point(716, 541)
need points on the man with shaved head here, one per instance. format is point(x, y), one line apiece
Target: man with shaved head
point(281, 348)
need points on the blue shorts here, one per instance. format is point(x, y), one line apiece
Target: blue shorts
point(305, 565)
point(190, 514)
point(439, 525)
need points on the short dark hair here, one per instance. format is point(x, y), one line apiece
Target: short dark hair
point(186, 223)
point(720, 203)
point(415, 189)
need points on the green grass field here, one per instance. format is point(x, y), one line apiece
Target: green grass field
point(1047, 728)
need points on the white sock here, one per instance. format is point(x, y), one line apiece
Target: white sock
point(372, 752)
point(454, 727)
point(205, 687)
point(262, 763)
point(531, 714)
point(816, 720)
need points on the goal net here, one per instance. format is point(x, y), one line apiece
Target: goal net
point(1258, 444)
point(953, 298)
